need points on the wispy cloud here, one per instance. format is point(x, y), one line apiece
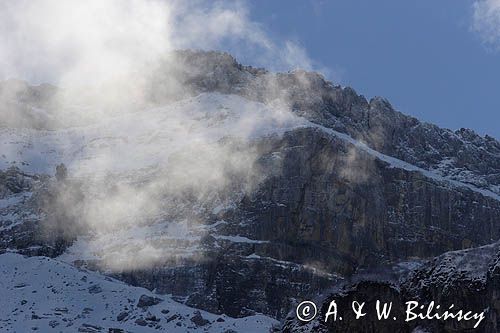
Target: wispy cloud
point(486, 22)
point(104, 54)
point(51, 40)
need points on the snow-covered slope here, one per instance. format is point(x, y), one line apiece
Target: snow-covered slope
point(143, 139)
point(46, 295)
point(397, 163)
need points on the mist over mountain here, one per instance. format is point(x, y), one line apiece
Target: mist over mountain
point(240, 192)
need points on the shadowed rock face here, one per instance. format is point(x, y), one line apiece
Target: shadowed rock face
point(462, 155)
point(313, 211)
point(366, 291)
point(343, 208)
point(233, 285)
point(37, 221)
point(468, 279)
point(325, 209)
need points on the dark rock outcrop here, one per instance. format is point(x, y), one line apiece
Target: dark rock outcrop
point(198, 319)
point(145, 301)
point(468, 279)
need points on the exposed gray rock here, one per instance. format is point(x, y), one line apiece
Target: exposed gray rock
point(141, 322)
point(198, 319)
point(95, 289)
point(61, 172)
point(145, 301)
point(122, 316)
point(88, 328)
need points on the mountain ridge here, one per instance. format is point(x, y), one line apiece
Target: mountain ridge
point(462, 155)
point(243, 191)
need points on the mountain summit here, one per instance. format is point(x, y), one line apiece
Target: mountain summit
point(239, 192)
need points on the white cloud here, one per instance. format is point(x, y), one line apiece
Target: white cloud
point(73, 40)
point(486, 21)
point(107, 43)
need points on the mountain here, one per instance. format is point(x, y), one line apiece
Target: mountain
point(242, 192)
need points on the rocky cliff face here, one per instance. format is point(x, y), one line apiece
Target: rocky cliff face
point(462, 155)
point(349, 186)
point(317, 214)
point(467, 279)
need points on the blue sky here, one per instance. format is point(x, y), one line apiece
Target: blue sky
point(422, 55)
